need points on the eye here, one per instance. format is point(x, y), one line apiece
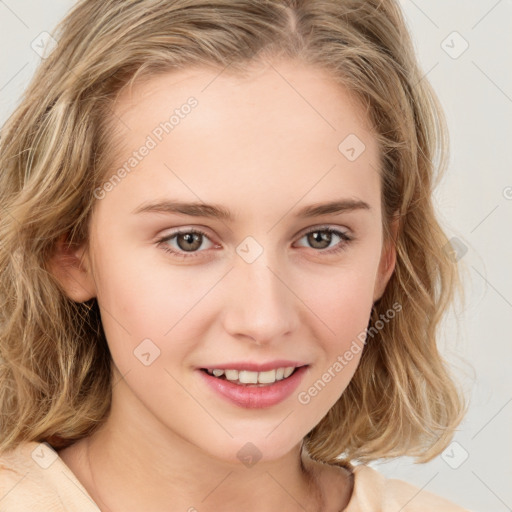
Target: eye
point(321, 238)
point(185, 241)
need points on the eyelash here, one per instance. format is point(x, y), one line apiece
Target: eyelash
point(341, 246)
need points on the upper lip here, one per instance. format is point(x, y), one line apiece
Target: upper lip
point(253, 367)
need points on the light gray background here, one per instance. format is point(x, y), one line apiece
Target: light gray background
point(474, 200)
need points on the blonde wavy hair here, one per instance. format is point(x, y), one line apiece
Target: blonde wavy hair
point(56, 148)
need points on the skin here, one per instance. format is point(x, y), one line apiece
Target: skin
point(262, 147)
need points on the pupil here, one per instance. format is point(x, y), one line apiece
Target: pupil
point(189, 238)
point(319, 237)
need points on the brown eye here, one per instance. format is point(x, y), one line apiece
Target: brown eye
point(319, 239)
point(183, 242)
point(189, 241)
point(322, 238)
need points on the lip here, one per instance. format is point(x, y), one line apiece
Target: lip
point(253, 396)
point(254, 367)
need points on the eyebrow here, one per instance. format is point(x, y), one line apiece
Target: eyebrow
point(215, 211)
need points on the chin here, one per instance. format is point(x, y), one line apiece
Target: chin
point(250, 450)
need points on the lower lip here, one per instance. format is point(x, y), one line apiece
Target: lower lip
point(252, 396)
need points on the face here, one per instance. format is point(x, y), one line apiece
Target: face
point(264, 278)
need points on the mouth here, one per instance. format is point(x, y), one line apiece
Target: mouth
point(254, 386)
point(253, 378)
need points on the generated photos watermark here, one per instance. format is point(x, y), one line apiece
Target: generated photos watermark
point(305, 397)
point(152, 140)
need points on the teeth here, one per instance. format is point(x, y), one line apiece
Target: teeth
point(267, 377)
point(248, 377)
point(231, 374)
point(288, 371)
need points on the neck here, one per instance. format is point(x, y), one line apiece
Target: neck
point(138, 464)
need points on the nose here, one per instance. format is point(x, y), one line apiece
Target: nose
point(260, 304)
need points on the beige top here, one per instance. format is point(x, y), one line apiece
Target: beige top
point(34, 478)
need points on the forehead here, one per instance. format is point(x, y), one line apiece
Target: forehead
point(279, 131)
point(302, 91)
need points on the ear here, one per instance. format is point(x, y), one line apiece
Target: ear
point(387, 260)
point(70, 265)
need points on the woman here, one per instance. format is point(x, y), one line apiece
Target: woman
point(222, 273)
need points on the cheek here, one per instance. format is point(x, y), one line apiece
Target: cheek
point(339, 302)
point(141, 300)
point(340, 296)
point(344, 307)
point(342, 302)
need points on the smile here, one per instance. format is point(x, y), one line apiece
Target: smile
point(253, 389)
point(246, 377)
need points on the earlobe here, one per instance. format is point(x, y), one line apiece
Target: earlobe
point(69, 264)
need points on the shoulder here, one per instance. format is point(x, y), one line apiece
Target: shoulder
point(34, 477)
point(372, 491)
